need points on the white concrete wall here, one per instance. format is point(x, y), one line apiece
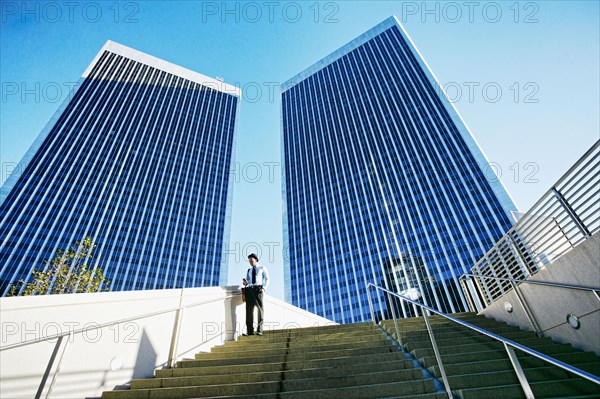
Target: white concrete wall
point(550, 306)
point(134, 349)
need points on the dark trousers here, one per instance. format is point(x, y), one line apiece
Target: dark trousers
point(254, 299)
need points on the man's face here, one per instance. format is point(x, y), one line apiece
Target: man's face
point(252, 261)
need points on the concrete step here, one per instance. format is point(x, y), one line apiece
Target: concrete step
point(292, 347)
point(450, 359)
point(201, 380)
point(534, 343)
point(295, 380)
point(402, 389)
point(314, 337)
point(461, 339)
point(396, 365)
point(353, 380)
point(442, 329)
point(195, 391)
point(506, 377)
point(322, 329)
point(219, 370)
point(229, 361)
point(187, 387)
point(297, 364)
point(380, 363)
point(545, 389)
point(461, 333)
point(309, 341)
point(298, 354)
point(437, 320)
point(277, 396)
point(505, 365)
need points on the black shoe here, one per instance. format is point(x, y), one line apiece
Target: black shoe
point(246, 335)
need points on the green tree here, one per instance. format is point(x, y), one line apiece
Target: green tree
point(67, 273)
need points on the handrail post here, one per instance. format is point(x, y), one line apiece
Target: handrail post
point(519, 370)
point(371, 303)
point(468, 294)
point(485, 295)
point(55, 376)
point(523, 303)
point(438, 357)
point(40, 390)
point(567, 207)
point(398, 336)
point(174, 339)
point(477, 295)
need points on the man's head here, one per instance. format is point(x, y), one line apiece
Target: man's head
point(253, 259)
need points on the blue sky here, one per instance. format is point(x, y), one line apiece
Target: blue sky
point(523, 75)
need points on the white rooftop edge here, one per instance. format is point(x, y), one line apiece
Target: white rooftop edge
point(342, 51)
point(163, 65)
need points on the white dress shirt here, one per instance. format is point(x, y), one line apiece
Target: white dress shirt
point(262, 276)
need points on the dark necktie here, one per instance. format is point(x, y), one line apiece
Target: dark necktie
point(253, 274)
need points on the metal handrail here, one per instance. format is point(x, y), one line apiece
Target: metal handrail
point(538, 282)
point(514, 283)
point(562, 218)
point(508, 344)
point(60, 336)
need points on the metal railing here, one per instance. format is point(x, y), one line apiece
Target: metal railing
point(472, 296)
point(564, 217)
point(60, 338)
point(509, 345)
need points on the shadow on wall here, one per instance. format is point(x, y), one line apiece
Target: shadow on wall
point(144, 361)
point(216, 333)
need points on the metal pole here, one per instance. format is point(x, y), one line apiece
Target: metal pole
point(58, 366)
point(38, 394)
point(578, 222)
point(174, 339)
point(371, 304)
point(525, 307)
point(467, 295)
point(438, 357)
point(519, 370)
point(485, 295)
point(398, 336)
point(474, 290)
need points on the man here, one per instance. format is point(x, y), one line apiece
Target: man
point(256, 282)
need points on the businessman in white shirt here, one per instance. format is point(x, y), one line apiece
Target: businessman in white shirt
point(256, 282)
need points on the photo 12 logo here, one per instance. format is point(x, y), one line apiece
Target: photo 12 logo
point(469, 11)
point(69, 11)
point(490, 92)
point(270, 11)
point(37, 92)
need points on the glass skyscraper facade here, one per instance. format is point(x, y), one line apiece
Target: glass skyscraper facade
point(138, 158)
point(383, 183)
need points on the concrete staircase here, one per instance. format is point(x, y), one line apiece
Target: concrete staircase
point(361, 361)
point(478, 366)
point(346, 361)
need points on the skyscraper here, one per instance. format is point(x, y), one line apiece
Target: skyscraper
point(138, 158)
point(383, 182)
